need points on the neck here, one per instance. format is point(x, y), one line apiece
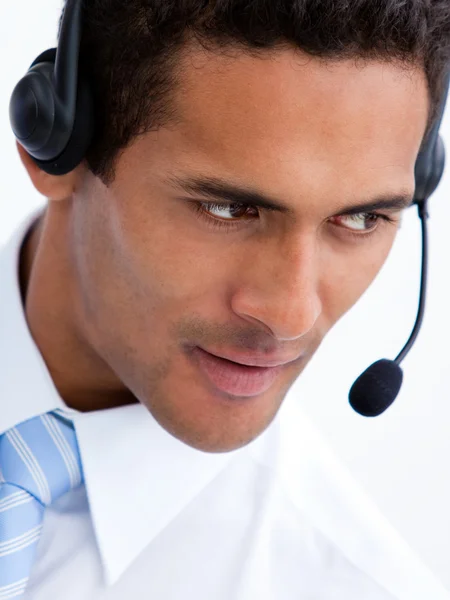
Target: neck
point(83, 379)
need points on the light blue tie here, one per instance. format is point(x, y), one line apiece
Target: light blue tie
point(39, 462)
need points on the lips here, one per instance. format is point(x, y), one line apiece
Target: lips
point(235, 379)
point(253, 360)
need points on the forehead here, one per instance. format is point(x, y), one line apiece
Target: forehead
point(291, 124)
point(287, 92)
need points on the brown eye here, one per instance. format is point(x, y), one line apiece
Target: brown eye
point(226, 211)
point(229, 216)
point(359, 222)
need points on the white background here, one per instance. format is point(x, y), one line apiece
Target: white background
point(400, 457)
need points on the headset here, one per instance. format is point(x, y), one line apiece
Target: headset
point(51, 109)
point(52, 117)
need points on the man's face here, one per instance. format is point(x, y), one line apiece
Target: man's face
point(160, 270)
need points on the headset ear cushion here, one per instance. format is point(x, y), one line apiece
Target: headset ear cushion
point(437, 167)
point(81, 138)
point(83, 129)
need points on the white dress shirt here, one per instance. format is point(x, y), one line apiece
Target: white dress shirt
point(279, 519)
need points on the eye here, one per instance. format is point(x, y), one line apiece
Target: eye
point(361, 222)
point(238, 212)
point(226, 211)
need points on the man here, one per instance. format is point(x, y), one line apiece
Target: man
point(239, 197)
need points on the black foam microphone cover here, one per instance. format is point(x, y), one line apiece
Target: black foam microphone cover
point(376, 389)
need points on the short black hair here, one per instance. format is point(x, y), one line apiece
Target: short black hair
point(129, 50)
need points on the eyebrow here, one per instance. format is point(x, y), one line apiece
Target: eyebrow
point(219, 189)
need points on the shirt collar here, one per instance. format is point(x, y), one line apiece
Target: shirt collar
point(140, 487)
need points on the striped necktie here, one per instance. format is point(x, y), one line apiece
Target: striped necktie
point(39, 462)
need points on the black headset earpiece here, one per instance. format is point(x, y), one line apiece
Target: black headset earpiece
point(429, 172)
point(51, 108)
point(430, 163)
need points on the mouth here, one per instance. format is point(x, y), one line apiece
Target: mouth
point(232, 378)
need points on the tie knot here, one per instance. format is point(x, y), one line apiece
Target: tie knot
point(41, 456)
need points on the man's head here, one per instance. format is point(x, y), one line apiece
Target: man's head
point(140, 264)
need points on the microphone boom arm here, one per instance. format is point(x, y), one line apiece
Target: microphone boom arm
point(423, 214)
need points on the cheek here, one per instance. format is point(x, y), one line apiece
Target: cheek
point(159, 272)
point(347, 276)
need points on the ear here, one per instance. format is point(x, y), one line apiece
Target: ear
point(53, 187)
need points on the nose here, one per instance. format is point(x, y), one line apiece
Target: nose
point(280, 288)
